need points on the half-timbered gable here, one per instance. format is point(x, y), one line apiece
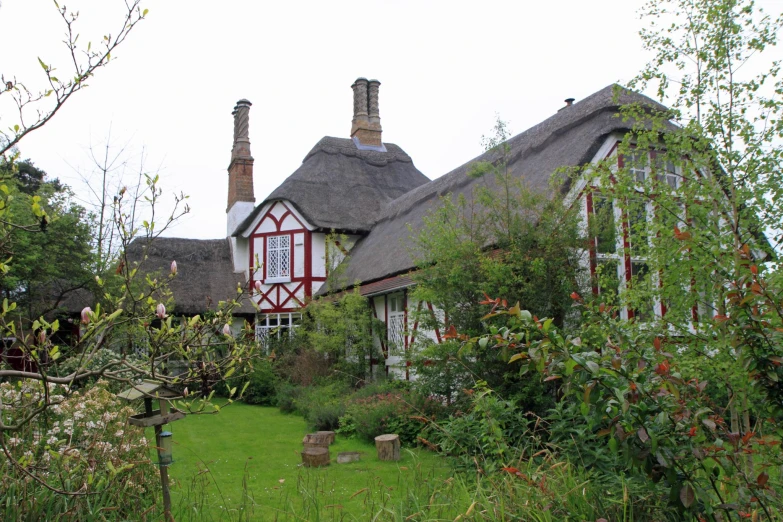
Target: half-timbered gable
point(340, 189)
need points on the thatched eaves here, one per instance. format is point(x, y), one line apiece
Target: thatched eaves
point(341, 187)
point(205, 272)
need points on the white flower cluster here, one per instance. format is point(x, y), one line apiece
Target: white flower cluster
point(82, 435)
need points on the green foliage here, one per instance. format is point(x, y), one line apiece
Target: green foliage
point(388, 408)
point(341, 331)
point(623, 395)
point(261, 384)
point(502, 239)
point(487, 435)
point(49, 244)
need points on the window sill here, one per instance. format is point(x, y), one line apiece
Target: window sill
point(273, 280)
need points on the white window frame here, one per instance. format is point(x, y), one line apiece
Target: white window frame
point(395, 328)
point(276, 324)
point(278, 259)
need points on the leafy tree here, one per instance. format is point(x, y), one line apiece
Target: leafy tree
point(507, 241)
point(676, 378)
point(51, 253)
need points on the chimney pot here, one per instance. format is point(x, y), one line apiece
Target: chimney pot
point(569, 102)
point(366, 125)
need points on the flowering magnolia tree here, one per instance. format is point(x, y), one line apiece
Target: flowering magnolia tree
point(127, 335)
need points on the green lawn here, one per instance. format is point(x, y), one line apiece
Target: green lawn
point(256, 449)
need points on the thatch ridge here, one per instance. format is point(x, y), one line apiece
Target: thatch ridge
point(569, 138)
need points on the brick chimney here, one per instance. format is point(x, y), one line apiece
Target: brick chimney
point(366, 125)
point(241, 199)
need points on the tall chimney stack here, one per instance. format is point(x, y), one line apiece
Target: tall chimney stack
point(366, 125)
point(241, 198)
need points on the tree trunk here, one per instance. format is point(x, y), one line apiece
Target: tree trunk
point(315, 457)
point(388, 447)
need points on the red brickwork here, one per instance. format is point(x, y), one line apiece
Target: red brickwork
point(240, 181)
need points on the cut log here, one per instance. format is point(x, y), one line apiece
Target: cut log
point(328, 435)
point(348, 456)
point(315, 457)
point(388, 447)
point(317, 440)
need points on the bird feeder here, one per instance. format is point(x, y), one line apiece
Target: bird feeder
point(165, 457)
point(150, 390)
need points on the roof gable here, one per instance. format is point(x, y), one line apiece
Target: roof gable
point(341, 187)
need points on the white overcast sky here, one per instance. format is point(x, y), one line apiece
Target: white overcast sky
point(446, 68)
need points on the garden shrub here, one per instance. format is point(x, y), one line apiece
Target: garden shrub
point(83, 443)
point(99, 359)
point(262, 384)
point(387, 408)
point(286, 397)
point(490, 432)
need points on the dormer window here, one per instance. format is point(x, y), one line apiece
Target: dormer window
point(278, 259)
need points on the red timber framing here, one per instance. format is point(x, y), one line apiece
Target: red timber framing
point(625, 257)
point(281, 297)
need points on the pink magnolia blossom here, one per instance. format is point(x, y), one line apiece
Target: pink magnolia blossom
point(160, 311)
point(227, 330)
point(42, 336)
point(86, 311)
point(173, 268)
point(258, 286)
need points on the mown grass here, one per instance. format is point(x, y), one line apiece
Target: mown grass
point(244, 463)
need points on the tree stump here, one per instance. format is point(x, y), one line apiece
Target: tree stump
point(348, 456)
point(322, 439)
point(327, 435)
point(388, 447)
point(315, 457)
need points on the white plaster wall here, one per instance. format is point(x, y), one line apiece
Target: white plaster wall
point(299, 253)
point(236, 214)
point(239, 255)
point(318, 251)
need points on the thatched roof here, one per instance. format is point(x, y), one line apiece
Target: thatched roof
point(344, 188)
point(205, 271)
point(569, 138)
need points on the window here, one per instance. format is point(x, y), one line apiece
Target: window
point(276, 326)
point(607, 278)
point(395, 328)
point(637, 165)
point(278, 258)
point(603, 225)
point(666, 172)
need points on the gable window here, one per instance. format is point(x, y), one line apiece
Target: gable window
point(278, 259)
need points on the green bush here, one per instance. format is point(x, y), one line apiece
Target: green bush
point(488, 433)
point(387, 408)
point(286, 397)
point(262, 387)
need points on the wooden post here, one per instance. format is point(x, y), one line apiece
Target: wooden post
point(388, 447)
point(164, 472)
